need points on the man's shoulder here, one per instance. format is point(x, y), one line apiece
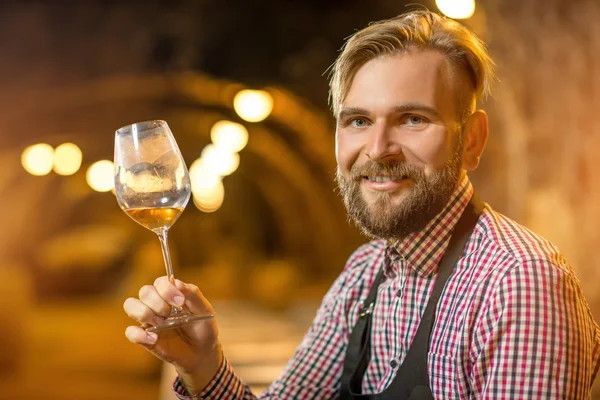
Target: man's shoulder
point(517, 242)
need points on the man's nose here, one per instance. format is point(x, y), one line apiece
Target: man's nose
point(382, 143)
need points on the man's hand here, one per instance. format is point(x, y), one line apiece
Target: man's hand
point(194, 349)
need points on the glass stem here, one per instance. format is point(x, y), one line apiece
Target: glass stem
point(164, 244)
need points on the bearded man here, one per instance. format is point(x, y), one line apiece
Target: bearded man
point(451, 300)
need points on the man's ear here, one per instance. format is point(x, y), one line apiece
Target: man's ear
point(475, 134)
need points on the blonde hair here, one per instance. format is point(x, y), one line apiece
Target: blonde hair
point(420, 29)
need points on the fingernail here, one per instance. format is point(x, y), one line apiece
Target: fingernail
point(179, 300)
point(152, 337)
point(180, 283)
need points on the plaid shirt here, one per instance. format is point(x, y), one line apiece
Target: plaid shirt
point(512, 322)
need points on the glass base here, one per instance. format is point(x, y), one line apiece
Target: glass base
point(177, 321)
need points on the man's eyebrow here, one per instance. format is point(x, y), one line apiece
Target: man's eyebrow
point(350, 111)
point(347, 112)
point(418, 107)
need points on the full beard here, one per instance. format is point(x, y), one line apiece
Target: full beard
point(426, 198)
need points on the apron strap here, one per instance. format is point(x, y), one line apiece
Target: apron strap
point(358, 350)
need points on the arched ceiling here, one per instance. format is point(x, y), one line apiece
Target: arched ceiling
point(288, 164)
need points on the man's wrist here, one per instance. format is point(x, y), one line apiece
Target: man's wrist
point(197, 380)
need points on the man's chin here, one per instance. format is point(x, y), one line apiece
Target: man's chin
point(392, 218)
point(374, 199)
point(379, 229)
point(387, 224)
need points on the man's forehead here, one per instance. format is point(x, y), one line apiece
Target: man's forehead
point(422, 76)
point(422, 72)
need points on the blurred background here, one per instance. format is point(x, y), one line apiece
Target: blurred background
point(266, 240)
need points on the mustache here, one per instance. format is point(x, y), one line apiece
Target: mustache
point(392, 168)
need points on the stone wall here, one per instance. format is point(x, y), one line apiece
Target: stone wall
point(543, 160)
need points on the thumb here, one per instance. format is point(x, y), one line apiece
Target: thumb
point(195, 301)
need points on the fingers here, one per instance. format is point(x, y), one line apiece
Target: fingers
point(181, 294)
point(153, 300)
point(138, 335)
point(140, 312)
point(194, 299)
point(169, 292)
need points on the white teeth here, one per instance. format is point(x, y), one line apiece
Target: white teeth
point(383, 178)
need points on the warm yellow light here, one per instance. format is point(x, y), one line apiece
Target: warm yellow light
point(457, 9)
point(209, 199)
point(38, 159)
point(207, 187)
point(207, 207)
point(209, 193)
point(101, 176)
point(221, 162)
point(202, 178)
point(229, 136)
point(67, 159)
point(253, 105)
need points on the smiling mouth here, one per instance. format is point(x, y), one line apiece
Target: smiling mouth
point(381, 179)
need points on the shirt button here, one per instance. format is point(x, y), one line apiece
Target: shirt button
point(399, 293)
point(393, 363)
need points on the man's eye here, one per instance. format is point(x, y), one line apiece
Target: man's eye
point(415, 119)
point(358, 122)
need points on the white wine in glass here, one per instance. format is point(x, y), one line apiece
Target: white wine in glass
point(152, 186)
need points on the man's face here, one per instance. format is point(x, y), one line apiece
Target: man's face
point(398, 146)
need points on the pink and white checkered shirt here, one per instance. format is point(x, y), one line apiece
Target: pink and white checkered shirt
point(512, 322)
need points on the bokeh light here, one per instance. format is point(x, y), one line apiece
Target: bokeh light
point(253, 105)
point(201, 177)
point(38, 159)
point(209, 199)
point(67, 159)
point(221, 162)
point(457, 9)
point(229, 136)
point(100, 176)
point(207, 187)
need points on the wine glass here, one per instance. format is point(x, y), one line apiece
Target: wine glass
point(152, 186)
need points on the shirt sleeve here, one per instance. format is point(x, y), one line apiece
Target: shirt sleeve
point(315, 370)
point(537, 339)
point(225, 385)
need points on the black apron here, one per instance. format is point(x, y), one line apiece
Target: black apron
point(412, 380)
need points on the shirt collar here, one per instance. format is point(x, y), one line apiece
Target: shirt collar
point(423, 250)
